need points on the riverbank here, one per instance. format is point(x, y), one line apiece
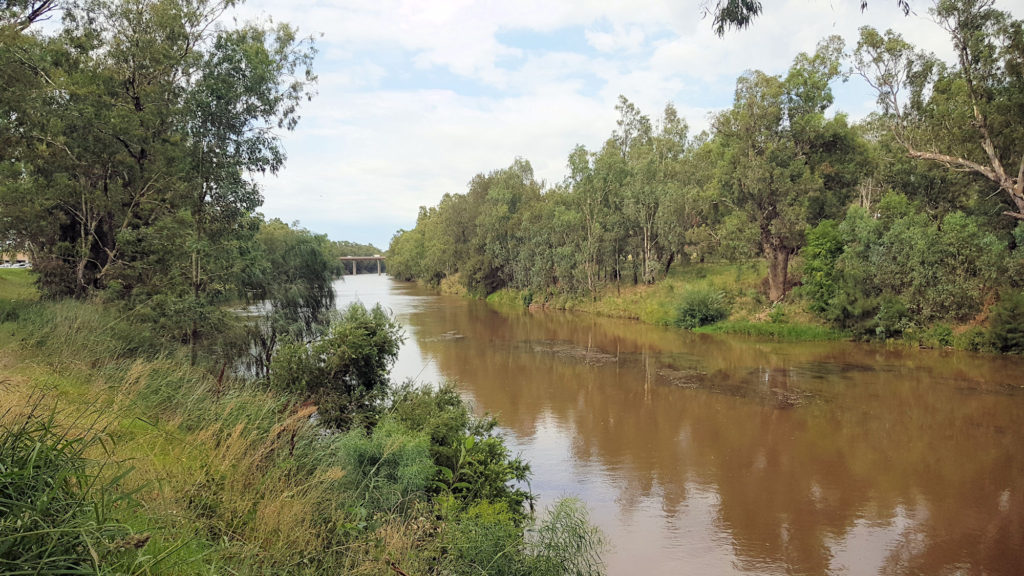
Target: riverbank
point(736, 290)
point(118, 456)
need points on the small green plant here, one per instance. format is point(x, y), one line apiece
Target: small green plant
point(385, 468)
point(10, 310)
point(777, 315)
point(700, 307)
point(1006, 328)
point(473, 463)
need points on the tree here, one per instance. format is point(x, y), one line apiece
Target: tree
point(135, 132)
point(740, 14)
point(293, 284)
point(145, 115)
point(964, 116)
point(345, 371)
point(777, 147)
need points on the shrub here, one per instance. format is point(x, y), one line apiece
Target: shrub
point(892, 319)
point(346, 371)
point(485, 540)
point(566, 543)
point(385, 468)
point(701, 306)
point(10, 310)
point(473, 462)
point(1006, 327)
point(824, 246)
point(975, 339)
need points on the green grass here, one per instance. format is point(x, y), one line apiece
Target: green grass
point(784, 332)
point(658, 303)
point(17, 284)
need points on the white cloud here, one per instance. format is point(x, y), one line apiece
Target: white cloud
point(387, 133)
point(626, 39)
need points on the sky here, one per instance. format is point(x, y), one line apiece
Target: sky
point(415, 97)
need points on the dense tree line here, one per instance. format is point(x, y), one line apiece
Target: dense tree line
point(912, 215)
point(131, 135)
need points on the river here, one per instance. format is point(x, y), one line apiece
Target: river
point(705, 455)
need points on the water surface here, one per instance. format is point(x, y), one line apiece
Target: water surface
point(700, 454)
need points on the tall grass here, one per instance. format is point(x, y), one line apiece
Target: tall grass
point(227, 476)
point(57, 505)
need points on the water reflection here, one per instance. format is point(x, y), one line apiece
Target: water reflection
point(710, 455)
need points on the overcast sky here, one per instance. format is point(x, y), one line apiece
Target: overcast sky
point(417, 96)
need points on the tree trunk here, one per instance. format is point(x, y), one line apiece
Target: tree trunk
point(778, 270)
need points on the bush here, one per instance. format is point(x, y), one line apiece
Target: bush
point(700, 307)
point(892, 319)
point(10, 310)
point(1006, 327)
point(346, 371)
point(386, 468)
point(473, 463)
point(485, 540)
point(566, 543)
point(824, 246)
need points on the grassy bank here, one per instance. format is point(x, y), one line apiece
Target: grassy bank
point(729, 294)
point(118, 456)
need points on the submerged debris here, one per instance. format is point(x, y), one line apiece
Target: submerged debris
point(692, 379)
point(589, 356)
point(781, 398)
point(450, 335)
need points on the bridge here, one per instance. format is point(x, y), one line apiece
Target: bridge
point(354, 259)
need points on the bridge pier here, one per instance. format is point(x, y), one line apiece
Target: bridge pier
point(355, 259)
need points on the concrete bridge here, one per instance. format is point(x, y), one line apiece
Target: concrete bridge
point(354, 259)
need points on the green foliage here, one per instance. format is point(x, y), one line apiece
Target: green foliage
point(484, 539)
point(566, 543)
point(385, 469)
point(293, 284)
point(473, 462)
point(1015, 259)
point(701, 306)
point(144, 139)
point(10, 310)
point(345, 371)
point(1006, 327)
point(57, 507)
point(881, 276)
point(824, 246)
point(87, 333)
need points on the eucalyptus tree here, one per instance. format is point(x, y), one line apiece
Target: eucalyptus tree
point(139, 141)
point(504, 197)
point(778, 149)
point(965, 116)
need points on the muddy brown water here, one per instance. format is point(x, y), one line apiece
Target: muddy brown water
point(700, 454)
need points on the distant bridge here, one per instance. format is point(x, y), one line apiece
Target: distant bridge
point(354, 259)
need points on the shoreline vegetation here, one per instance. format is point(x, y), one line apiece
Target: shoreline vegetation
point(783, 219)
point(119, 455)
point(745, 311)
